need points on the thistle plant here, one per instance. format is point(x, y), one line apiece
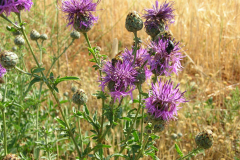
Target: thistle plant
point(118, 79)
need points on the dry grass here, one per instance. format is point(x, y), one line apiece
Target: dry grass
point(209, 30)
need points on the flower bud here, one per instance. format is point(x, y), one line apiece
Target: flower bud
point(65, 94)
point(75, 35)
point(43, 37)
point(83, 23)
point(74, 89)
point(134, 22)
point(153, 30)
point(141, 77)
point(19, 40)
point(11, 157)
point(79, 97)
point(174, 136)
point(8, 59)
point(14, 48)
point(179, 135)
point(34, 35)
point(17, 33)
point(204, 139)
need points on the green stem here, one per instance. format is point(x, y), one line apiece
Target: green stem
point(142, 150)
point(80, 133)
point(135, 48)
point(4, 118)
point(65, 120)
point(39, 97)
point(55, 59)
point(46, 141)
point(140, 99)
point(130, 129)
point(40, 48)
point(20, 70)
point(190, 153)
point(4, 17)
point(52, 91)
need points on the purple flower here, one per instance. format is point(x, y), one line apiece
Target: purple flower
point(159, 14)
point(141, 57)
point(79, 13)
point(164, 100)
point(2, 71)
point(119, 78)
point(163, 62)
point(8, 6)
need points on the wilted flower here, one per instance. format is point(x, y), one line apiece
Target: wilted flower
point(8, 6)
point(162, 60)
point(79, 13)
point(119, 78)
point(164, 100)
point(160, 14)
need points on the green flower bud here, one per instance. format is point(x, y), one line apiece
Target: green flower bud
point(34, 35)
point(204, 139)
point(14, 48)
point(174, 136)
point(74, 89)
point(75, 35)
point(43, 37)
point(19, 40)
point(8, 59)
point(179, 135)
point(79, 97)
point(65, 94)
point(134, 22)
point(141, 77)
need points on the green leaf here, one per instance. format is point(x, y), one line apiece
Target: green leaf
point(126, 118)
point(100, 95)
point(61, 122)
point(135, 101)
point(38, 70)
point(86, 109)
point(91, 50)
point(92, 60)
point(178, 150)
point(144, 94)
point(35, 80)
point(11, 29)
point(67, 78)
point(98, 146)
point(135, 135)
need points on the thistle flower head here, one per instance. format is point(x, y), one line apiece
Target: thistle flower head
point(164, 100)
point(160, 14)
point(8, 59)
point(164, 57)
point(141, 57)
point(79, 97)
point(79, 13)
point(8, 6)
point(133, 22)
point(204, 139)
point(119, 78)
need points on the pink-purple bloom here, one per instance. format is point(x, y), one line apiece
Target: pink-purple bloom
point(141, 57)
point(2, 71)
point(79, 13)
point(119, 78)
point(8, 6)
point(164, 100)
point(161, 62)
point(159, 13)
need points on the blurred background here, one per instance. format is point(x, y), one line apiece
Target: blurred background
point(209, 33)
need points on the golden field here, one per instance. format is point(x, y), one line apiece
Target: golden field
point(209, 32)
